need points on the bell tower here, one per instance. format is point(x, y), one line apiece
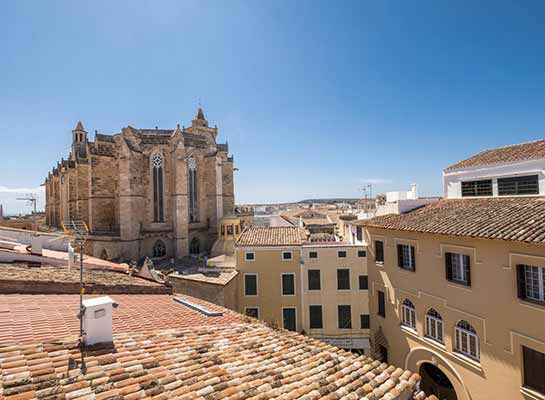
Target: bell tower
point(79, 142)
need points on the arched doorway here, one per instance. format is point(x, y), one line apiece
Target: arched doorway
point(434, 381)
point(195, 246)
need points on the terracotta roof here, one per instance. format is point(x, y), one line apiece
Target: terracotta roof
point(32, 318)
point(21, 278)
point(511, 218)
point(237, 361)
point(271, 236)
point(221, 278)
point(515, 152)
point(318, 221)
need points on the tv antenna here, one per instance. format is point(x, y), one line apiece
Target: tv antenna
point(79, 231)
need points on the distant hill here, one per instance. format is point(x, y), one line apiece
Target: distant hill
point(330, 200)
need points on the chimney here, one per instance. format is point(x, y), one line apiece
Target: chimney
point(97, 320)
point(414, 191)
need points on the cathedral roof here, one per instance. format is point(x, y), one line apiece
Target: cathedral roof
point(200, 114)
point(79, 127)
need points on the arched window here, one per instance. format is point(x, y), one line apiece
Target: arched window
point(157, 166)
point(434, 326)
point(467, 341)
point(195, 246)
point(159, 249)
point(408, 314)
point(192, 183)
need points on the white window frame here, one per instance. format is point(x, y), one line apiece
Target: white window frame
point(287, 259)
point(313, 258)
point(351, 320)
point(408, 317)
point(308, 280)
point(406, 256)
point(246, 254)
point(282, 284)
point(342, 251)
point(323, 321)
point(458, 267)
point(531, 289)
point(258, 311)
point(459, 335)
point(349, 279)
point(256, 284)
point(282, 316)
point(435, 323)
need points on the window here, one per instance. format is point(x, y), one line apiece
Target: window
point(313, 254)
point(534, 369)
point(341, 254)
point(288, 319)
point(381, 304)
point(362, 253)
point(408, 314)
point(193, 193)
point(343, 279)
point(157, 177)
point(520, 185)
point(457, 268)
point(364, 282)
point(288, 284)
point(250, 284)
point(315, 315)
point(359, 233)
point(434, 325)
point(406, 257)
point(252, 312)
point(249, 256)
point(379, 251)
point(531, 282)
point(364, 321)
point(159, 249)
point(477, 188)
point(344, 316)
point(466, 340)
point(314, 279)
point(286, 255)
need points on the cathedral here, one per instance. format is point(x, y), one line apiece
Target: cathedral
point(144, 192)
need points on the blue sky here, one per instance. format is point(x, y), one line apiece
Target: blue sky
point(313, 97)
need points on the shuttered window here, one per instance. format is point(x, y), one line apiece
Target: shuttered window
point(314, 279)
point(250, 284)
point(458, 268)
point(364, 282)
point(519, 185)
point(381, 304)
point(288, 284)
point(534, 369)
point(379, 251)
point(364, 321)
point(343, 279)
point(477, 188)
point(344, 316)
point(288, 319)
point(315, 315)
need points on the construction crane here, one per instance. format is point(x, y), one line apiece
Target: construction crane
point(31, 200)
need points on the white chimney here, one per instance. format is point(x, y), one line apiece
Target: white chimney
point(97, 320)
point(414, 191)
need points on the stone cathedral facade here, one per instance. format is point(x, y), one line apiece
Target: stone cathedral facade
point(144, 192)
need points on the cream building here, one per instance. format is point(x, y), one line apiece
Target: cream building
point(320, 289)
point(144, 192)
point(458, 287)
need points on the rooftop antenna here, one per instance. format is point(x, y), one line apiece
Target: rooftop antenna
point(31, 201)
point(79, 231)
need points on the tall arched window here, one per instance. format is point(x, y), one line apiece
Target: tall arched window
point(434, 326)
point(408, 314)
point(157, 165)
point(195, 246)
point(467, 341)
point(159, 249)
point(192, 183)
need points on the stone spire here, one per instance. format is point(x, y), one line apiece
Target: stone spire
point(199, 119)
point(79, 127)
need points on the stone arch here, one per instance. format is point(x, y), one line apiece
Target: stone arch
point(418, 356)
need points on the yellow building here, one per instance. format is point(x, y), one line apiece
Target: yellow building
point(316, 288)
point(458, 286)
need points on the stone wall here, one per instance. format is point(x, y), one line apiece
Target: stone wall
point(218, 294)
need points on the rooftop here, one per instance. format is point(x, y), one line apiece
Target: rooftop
point(37, 318)
point(271, 236)
point(510, 218)
point(237, 361)
point(506, 154)
point(22, 278)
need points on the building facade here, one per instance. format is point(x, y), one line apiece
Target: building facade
point(144, 192)
point(320, 289)
point(457, 287)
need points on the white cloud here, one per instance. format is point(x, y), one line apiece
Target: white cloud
point(375, 181)
point(5, 189)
